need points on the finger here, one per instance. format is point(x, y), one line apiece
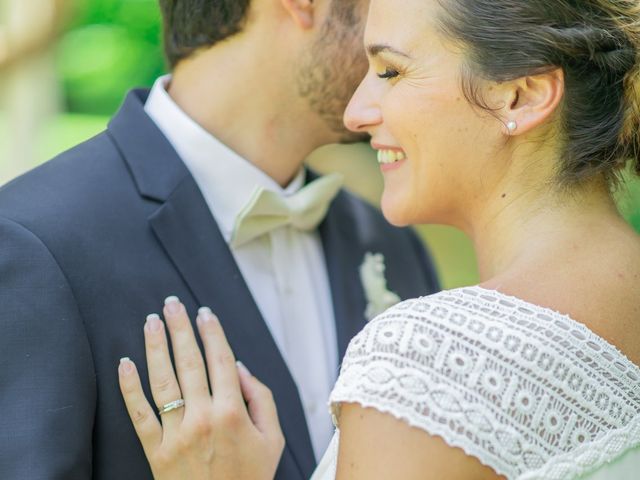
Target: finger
point(141, 413)
point(164, 386)
point(260, 402)
point(192, 375)
point(221, 362)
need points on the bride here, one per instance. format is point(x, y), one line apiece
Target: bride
point(511, 120)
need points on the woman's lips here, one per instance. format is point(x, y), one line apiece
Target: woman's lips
point(390, 158)
point(386, 167)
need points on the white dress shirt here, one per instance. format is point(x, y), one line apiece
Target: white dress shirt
point(285, 270)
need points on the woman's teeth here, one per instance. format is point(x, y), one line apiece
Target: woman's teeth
point(390, 156)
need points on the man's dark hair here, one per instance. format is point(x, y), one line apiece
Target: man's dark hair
point(193, 24)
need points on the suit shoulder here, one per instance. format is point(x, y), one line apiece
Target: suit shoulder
point(69, 182)
point(80, 160)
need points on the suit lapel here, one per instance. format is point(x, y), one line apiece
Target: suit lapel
point(344, 254)
point(189, 234)
point(186, 229)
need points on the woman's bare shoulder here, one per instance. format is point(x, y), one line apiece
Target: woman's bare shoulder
point(598, 288)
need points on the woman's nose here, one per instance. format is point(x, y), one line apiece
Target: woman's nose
point(363, 112)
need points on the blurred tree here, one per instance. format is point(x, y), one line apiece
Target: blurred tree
point(119, 44)
point(28, 28)
point(29, 93)
point(628, 198)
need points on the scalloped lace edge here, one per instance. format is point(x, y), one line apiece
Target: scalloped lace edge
point(570, 458)
point(432, 428)
point(573, 457)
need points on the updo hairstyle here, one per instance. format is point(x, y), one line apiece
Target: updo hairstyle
point(597, 45)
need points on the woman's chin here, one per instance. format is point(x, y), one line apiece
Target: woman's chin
point(395, 213)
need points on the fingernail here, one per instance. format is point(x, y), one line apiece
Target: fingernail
point(205, 314)
point(173, 304)
point(154, 324)
point(242, 368)
point(126, 366)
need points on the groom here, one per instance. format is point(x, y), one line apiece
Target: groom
point(196, 189)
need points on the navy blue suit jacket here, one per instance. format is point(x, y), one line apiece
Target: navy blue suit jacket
point(90, 243)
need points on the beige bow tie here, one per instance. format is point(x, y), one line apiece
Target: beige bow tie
point(268, 210)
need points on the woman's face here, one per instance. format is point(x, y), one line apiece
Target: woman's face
point(434, 147)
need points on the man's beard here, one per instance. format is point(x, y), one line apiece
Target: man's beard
point(331, 70)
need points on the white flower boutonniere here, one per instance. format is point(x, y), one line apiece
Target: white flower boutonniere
point(379, 298)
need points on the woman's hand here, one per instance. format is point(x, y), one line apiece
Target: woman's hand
point(211, 437)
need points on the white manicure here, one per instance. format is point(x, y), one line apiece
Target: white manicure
point(171, 299)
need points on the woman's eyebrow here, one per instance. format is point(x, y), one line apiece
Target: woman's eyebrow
point(375, 49)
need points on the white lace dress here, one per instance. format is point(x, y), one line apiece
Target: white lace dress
point(531, 393)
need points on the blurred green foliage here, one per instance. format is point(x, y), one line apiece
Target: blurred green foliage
point(629, 200)
point(119, 42)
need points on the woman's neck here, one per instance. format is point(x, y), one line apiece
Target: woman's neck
point(514, 234)
point(572, 253)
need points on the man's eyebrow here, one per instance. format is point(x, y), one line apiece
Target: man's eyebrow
point(376, 49)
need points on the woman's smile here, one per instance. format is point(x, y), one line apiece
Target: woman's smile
point(390, 158)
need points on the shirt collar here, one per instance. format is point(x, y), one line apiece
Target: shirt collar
point(227, 181)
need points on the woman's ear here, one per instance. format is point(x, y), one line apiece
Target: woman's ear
point(532, 100)
point(301, 11)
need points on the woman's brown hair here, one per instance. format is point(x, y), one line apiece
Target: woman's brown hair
point(597, 45)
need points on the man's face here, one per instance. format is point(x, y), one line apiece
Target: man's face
point(335, 64)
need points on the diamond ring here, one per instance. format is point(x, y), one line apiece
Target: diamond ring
point(171, 406)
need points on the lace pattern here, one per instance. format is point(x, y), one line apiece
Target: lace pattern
point(529, 392)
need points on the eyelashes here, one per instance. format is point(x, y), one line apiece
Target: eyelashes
point(389, 73)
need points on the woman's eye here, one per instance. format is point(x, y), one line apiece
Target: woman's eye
point(389, 73)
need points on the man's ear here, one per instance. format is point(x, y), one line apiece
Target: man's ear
point(532, 100)
point(302, 12)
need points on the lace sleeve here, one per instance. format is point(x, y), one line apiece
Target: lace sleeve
point(512, 386)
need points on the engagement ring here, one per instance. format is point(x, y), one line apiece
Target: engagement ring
point(172, 406)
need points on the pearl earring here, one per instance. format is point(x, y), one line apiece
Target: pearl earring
point(512, 126)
